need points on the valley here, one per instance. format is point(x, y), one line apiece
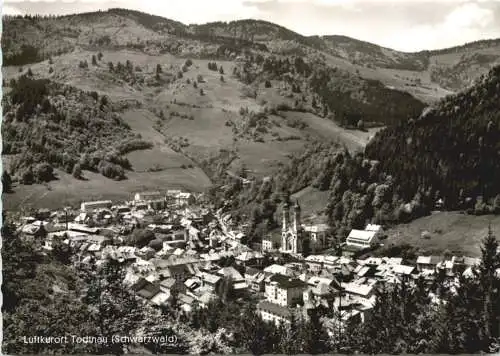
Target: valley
point(237, 187)
point(244, 96)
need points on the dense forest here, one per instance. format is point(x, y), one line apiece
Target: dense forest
point(452, 149)
point(54, 297)
point(332, 92)
point(47, 125)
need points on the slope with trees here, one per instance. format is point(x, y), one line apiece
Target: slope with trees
point(452, 149)
point(48, 125)
point(330, 92)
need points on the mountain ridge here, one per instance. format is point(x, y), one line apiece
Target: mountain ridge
point(161, 19)
point(427, 75)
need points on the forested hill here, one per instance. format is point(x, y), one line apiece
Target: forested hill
point(453, 148)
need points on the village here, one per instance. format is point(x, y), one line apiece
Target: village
point(174, 245)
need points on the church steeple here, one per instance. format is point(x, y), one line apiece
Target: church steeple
point(296, 216)
point(286, 216)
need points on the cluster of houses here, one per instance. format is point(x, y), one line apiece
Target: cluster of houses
point(194, 256)
point(344, 288)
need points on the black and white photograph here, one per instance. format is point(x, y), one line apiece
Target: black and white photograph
point(250, 177)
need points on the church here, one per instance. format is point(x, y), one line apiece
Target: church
point(293, 236)
point(297, 238)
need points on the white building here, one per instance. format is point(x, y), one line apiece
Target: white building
point(373, 227)
point(284, 290)
point(274, 313)
point(148, 196)
point(94, 205)
point(362, 238)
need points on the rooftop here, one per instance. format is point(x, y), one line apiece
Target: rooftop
point(373, 227)
point(429, 260)
point(287, 282)
point(274, 309)
point(211, 278)
point(362, 235)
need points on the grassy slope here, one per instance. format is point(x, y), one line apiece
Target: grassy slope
point(206, 133)
point(454, 231)
point(312, 202)
point(67, 190)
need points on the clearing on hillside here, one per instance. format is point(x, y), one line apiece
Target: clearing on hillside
point(69, 191)
point(312, 203)
point(161, 156)
point(457, 232)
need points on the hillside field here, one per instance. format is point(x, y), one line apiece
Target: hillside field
point(69, 191)
point(459, 233)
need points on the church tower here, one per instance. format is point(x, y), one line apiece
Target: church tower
point(292, 234)
point(296, 218)
point(286, 217)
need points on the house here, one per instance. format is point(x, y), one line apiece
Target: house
point(321, 291)
point(192, 284)
point(179, 273)
point(364, 271)
point(43, 214)
point(250, 258)
point(186, 303)
point(173, 192)
point(185, 199)
point(146, 253)
point(168, 284)
point(278, 269)
point(157, 204)
point(94, 205)
point(315, 262)
point(428, 263)
point(274, 313)
point(148, 196)
point(145, 289)
point(161, 298)
point(34, 233)
point(363, 293)
point(122, 209)
point(321, 295)
point(210, 280)
point(83, 229)
point(180, 198)
point(284, 290)
point(375, 228)
point(460, 264)
point(317, 235)
point(171, 196)
point(138, 208)
point(237, 280)
point(232, 273)
point(362, 239)
point(255, 279)
point(205, 298)
point(404, 272)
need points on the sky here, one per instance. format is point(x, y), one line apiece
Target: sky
point(406, 25)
